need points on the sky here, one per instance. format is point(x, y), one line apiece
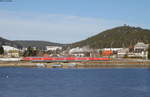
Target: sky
point(68, 21)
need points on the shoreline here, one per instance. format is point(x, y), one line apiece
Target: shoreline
point(101, 64)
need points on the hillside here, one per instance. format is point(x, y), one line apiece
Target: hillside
point(24, 43)
point(123, 36)
point(4, 41)
point(36, 43)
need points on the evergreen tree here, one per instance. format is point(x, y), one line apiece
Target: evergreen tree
point(149, 52)
point(30, 52)
point(1, 50)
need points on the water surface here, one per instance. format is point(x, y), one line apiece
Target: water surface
point(42, 82)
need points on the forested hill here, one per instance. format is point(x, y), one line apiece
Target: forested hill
point(4, 41)
point(123, 36)
point(27, 43)
point(36, 43)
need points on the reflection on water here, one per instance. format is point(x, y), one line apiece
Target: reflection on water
point(41, 82)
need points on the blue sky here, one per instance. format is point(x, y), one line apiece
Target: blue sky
point(67, 21)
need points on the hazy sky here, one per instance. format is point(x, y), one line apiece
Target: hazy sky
point(67, 21)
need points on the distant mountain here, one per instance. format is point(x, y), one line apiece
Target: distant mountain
point(123, 36)
point(24, 43)
point(4, 41)
point(36, 43)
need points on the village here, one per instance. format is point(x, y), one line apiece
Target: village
point(138, 51)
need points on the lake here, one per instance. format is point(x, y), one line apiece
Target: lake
point(44, 82)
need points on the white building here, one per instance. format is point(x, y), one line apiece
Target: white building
point(9, 48)
point(112, 49)
point(80, 52)
point(140, 50)
point(53, 48)
point(140, 46)
point(122, 52)
point(11, 51)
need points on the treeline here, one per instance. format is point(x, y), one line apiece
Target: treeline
point(4, 41)
point(26, 43)
point(38, 44)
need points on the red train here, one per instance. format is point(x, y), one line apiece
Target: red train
point(64, 59)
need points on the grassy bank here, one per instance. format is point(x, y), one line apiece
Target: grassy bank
point(101, 64)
